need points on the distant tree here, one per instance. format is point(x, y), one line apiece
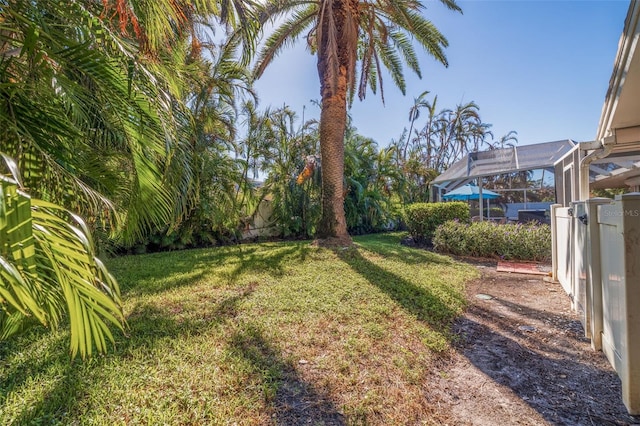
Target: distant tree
point(414, 113)
point(508, 140)
point(444, 138)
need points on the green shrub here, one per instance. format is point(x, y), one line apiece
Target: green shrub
point(486, 239)
point(422, 219)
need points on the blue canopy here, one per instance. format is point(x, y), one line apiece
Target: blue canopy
point(469, 192)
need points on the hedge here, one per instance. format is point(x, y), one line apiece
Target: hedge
point(485, 239)
point(422, 219)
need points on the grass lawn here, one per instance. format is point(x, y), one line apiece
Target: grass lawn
point(252, 334)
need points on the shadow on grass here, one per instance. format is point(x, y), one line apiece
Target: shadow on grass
point(154, 273)
point(158, 272)
point(419, 301)
point(269, 258)
point(68, 380)
point(295, 402)
point(388, 246)
point(149, 323)
point(62, 379)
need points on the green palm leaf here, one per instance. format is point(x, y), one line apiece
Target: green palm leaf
point(49, 270)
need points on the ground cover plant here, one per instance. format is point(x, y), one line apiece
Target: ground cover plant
point(486, 239)
point(253, 334)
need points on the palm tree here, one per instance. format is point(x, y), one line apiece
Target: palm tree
point(342, 33)
point(458, 132)
point(91, 109)
point(414, 114)
point(508, 140)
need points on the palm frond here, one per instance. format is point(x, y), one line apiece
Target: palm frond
point(391, 60)
point(49, 270)
point(404, 46)
point(95, 99)
point(285, 35)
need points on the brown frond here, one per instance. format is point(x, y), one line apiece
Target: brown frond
point(126, 19)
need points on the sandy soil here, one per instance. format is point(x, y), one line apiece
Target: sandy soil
point(522, 359)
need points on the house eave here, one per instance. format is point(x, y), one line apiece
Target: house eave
point(621, 100)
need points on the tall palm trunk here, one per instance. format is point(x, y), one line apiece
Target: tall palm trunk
point(333, 119)
point(332, 127)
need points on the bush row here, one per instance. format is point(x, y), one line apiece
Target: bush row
point(486, 239)
point(422, 219)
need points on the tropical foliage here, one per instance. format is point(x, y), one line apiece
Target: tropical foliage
point(215, 194)
point(372, 179)
point(111, 112)
point(86, 120)
point(49, 271)
point(287, 150)
point(288, 153)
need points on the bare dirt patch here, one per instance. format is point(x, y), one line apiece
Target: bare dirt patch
point(522, 359)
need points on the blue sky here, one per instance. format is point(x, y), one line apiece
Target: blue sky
point(540, 68)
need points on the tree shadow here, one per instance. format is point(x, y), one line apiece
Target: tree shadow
point(295, 401)
point(554, 333)
point(270, 259)
point(564, 390)
point(389, 247)
point(55, 365)
point(421, 302)
point(157, 272)
point(148, 325)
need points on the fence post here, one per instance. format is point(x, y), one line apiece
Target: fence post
point(631, 383)
point(594, 272)
point(554, 241)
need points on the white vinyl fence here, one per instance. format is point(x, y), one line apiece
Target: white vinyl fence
point(596, 258)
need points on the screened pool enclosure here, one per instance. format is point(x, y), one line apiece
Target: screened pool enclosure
point(524, 177)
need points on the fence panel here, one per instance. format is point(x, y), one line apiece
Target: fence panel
point(619, 232)
point(579, 273)
point(563, 240)
point(612, 270)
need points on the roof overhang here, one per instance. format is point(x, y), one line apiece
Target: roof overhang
point(621, 110)
point(614, 158)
